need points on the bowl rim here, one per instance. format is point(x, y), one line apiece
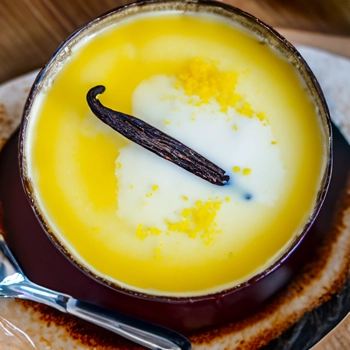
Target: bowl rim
point(307, 77)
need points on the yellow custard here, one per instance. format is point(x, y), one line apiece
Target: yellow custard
point(142, 222)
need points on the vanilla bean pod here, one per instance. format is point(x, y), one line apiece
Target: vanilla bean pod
point(156, 141)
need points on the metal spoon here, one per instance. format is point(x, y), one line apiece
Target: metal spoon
point(14, 284)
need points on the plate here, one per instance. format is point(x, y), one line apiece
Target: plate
point(34, 326)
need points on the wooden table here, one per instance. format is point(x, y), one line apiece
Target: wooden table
point(31, 30)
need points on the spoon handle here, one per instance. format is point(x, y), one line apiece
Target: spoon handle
point(14, 284)
point(144, 333)
point(141, 332)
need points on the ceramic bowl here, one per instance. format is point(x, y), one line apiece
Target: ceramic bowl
point(189, 314)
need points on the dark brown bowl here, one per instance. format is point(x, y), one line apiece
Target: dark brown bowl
point(194, 313)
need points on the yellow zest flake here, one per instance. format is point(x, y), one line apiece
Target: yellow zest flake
point(235, 127)
point(199, 220)
point(236, 169)
point(273, 142)
point(176, 109)
point(185, 198)
point(154, 231)
point(245, 109)
point(154, 188)
point(247, 171)
point(200, 203)
point(166, 122)
point(227, 199)
point(204, 80)
point(142, 233)
point(119, 165)
point(261, 116)
point(131, 186)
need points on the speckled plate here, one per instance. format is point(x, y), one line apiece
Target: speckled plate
point(25, 325)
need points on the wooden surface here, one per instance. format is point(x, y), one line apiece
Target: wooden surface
point(339, 338)
point(31, 30)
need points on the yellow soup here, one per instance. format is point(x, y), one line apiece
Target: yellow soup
point(142, 222)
